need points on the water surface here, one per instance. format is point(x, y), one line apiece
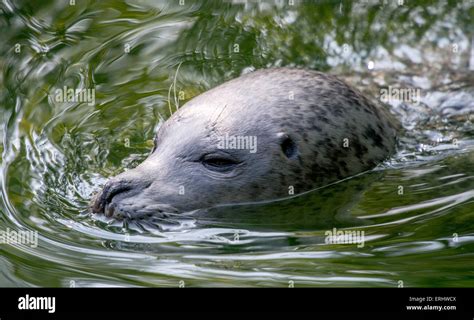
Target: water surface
point(146, 58)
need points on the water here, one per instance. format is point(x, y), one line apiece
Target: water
point(416, 210)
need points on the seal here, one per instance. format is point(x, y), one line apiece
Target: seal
point(268, 134)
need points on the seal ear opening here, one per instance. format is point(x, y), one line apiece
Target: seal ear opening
point(288, 146)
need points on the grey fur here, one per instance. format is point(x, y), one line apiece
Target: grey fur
point(315, 110)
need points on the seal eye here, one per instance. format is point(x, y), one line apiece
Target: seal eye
point(218, 163)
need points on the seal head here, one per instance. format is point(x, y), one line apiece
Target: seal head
point(258, 137)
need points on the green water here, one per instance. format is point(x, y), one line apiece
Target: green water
point(416, 210)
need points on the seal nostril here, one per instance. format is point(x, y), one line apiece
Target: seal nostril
point(109, 210)
point(116, 188)
point(111, 189)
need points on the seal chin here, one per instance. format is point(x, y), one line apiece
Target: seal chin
point(138, 210)
point(121, 199)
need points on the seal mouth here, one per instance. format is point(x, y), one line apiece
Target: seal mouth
point(129, 210)
point(134, 211)
point(122, 199)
